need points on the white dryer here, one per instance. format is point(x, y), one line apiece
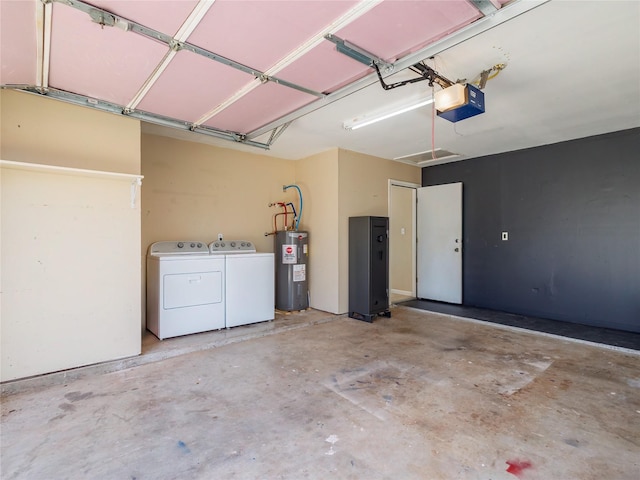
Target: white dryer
point(249, 282)
point(185, 289)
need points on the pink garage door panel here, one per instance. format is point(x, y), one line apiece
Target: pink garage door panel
point(105, 63)
point(191, 86)
point(324, 69)
point(165, 16)
point(262, 105)
point(18, 42)
point(260, 33)
point(394, 29)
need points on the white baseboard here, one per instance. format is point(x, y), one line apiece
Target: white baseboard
point(403, 292)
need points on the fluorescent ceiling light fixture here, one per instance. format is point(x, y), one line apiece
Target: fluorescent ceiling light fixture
point(365, 120)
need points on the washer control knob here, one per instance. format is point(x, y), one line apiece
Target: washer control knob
point(193, 245)
point(243, 244)
point(222, 244)
point(199, 245)
point(233, 244)
point(248, 244)
point(180, 244)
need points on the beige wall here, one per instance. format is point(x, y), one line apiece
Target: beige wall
point(70, 242)
point(317, 177)
point(37, 129)
point(195, 191)
point(363, 190)
point(402, 278)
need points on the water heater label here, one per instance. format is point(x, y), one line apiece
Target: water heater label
point(299, 273)
point(289, 254)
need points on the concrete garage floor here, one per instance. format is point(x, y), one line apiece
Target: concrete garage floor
point(419, 395)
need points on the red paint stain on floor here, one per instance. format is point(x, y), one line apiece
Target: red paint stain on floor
point(516, 467)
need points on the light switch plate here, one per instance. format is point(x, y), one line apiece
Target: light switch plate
point(505, 236)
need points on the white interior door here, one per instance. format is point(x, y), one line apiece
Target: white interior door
point(440, 243)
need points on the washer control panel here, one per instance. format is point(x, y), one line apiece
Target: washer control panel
point(232, 246)
point(180, 247)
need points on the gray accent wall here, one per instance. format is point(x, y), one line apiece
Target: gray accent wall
point(572, 213)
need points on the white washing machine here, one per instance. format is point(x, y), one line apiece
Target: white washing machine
point(185, 289)
point(249, 282)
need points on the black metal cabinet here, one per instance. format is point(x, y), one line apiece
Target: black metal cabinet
point(368, 267)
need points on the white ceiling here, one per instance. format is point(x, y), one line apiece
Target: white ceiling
point(573, 70)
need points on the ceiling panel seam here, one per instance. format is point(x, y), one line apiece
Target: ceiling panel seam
point(43, 44)
point(153, 78)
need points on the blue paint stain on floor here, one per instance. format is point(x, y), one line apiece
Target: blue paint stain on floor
point(183, 446)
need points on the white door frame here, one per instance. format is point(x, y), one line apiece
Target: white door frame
point(414, 221)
